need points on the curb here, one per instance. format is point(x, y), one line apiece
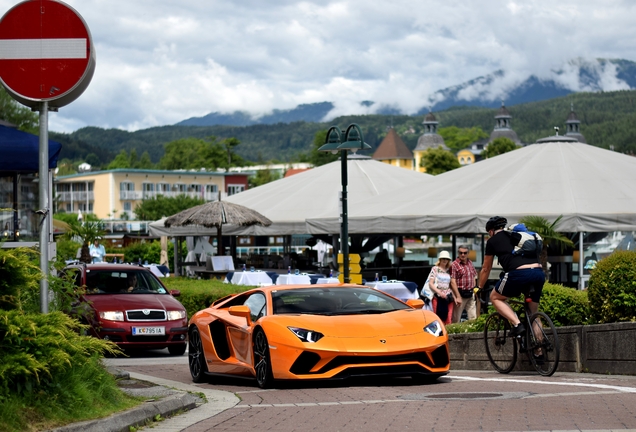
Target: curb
point(163, 401)
point(136, 416)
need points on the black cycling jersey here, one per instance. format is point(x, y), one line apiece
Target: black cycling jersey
point(500, 246)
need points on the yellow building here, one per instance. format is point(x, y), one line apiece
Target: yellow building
point(115, 193)
point(393, 151)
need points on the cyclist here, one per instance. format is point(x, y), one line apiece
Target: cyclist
point(520, 274)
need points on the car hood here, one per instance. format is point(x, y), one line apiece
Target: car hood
point(397, 323)
point(121, 302)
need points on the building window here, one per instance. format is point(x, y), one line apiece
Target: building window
point(211, 188)
point(69, 208)
point(126, 186)
point(163, 188)
point(127, 206)
point(148, 190)
point(234, 189)
point(179, 187)
point(90, 207)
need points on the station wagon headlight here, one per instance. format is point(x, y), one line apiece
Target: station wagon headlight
point(112, 315)
point(176, 315)
point(434, 328)
point(306, 335)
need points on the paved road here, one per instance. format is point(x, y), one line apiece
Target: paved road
point(462, 401)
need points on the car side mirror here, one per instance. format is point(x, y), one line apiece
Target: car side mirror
point(175, 293)
point(415, 303)
point(242, 311)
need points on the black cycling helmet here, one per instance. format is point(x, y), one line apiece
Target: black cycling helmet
point(496, 222)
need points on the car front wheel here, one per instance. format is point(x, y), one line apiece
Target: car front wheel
point(196, 357)
point(262, 360)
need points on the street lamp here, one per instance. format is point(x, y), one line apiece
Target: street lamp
point(343, 142)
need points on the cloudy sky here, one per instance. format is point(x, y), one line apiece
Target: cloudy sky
point(162, 61)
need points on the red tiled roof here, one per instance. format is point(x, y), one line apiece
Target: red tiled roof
point(392, 147)
point(290, 172)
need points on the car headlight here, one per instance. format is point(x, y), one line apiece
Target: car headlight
point(112, 315)
point(435, 328)
point(176, 315)
point(306, 335)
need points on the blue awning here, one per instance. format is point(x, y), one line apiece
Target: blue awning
point(20, 151)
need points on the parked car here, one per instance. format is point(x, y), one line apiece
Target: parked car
point(309, 332)
point(129, 306)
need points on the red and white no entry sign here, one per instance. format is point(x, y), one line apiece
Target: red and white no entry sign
point(46, 53)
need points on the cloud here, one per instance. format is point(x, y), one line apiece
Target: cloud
point(161, 61)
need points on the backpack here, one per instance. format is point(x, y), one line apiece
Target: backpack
point(525, 243)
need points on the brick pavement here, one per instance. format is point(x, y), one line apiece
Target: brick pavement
point(565, 401)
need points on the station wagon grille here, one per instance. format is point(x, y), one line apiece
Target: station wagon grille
point(146, 315)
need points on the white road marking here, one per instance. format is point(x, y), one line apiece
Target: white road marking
point(558, 383)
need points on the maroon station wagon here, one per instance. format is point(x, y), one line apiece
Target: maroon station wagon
point(131, 307)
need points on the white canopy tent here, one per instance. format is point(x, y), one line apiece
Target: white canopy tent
point(592, 188)
point(288, 202)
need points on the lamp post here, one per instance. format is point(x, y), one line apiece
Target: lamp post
point(343, 141)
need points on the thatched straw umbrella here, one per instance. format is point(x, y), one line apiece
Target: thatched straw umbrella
point(216, 214)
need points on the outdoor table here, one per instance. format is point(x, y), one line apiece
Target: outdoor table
point(331, 280)
point(293, 279)
point(395, 288)
point(253, 278)
point(158, 270)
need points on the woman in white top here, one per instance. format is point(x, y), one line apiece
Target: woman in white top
point(439, 282)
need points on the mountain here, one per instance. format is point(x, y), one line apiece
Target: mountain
point(315, 112)
point(607, 120)
point(578, 75)
point(575, 76)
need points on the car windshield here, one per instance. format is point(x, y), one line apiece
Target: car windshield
point(122, 282)
point(334, 301)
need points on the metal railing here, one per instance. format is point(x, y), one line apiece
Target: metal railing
point(75, 196)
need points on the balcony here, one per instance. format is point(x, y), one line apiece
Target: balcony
point(139, 195)
point(75, 196)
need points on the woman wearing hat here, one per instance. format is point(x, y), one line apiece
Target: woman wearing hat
point(439, 282)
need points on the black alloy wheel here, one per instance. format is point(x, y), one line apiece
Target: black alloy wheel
point(196, 358)
point(262, 360)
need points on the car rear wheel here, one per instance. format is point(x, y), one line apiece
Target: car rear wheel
point(196, 358)
point(262, 360)
point(177, 350)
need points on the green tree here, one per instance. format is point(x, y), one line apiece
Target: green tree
point(121, 161)
point(87, 232)
point(457, 138)
point(93, 160)
point(133, 159)
point(262, 177)
point(145, 162)
point(157, 207)
point(13, 112)
point(66, 167)
point(499, 146)
point(316, 157)
point(550, 235)
point(438, 160)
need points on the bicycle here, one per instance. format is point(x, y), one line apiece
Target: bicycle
point(541, 346)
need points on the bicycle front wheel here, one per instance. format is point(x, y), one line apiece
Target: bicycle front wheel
point(543, 346)
point(501, 348)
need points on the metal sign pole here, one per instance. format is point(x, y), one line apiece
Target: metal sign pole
point(44, 206)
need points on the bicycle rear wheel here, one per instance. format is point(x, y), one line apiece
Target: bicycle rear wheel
point(501, 348)
point(543, 346)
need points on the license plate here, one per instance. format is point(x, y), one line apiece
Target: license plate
point(136, 331)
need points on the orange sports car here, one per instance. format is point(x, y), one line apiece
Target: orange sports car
point(305, 332)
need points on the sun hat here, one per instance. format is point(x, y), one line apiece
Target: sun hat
point(444, 254)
